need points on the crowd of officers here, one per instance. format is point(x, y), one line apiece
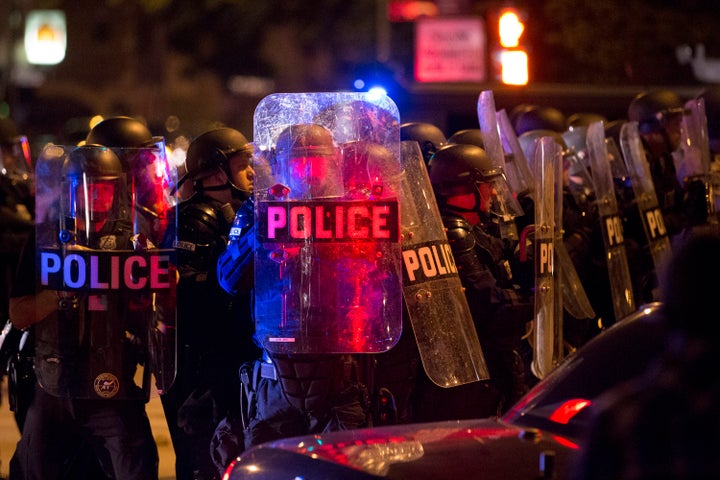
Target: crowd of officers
point(230, 394)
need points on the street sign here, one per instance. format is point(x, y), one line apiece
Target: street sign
point(450, 49)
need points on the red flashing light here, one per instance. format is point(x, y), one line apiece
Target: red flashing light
point(568, 410)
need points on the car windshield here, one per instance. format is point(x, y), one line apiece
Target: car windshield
point(562, 402)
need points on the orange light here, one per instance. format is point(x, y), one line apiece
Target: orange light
point(45, 37)
point(510, 29)
point(514, 67)
point(411, 10)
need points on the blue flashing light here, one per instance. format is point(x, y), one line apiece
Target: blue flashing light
point(375, 93)
point(359, 84)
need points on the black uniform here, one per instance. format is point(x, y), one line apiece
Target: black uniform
point(500, 311)
point(214, 338)
point(63, 417)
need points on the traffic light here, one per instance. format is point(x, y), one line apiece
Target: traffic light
point(510, 57)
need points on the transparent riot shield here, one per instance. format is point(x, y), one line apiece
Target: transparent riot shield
point(616, 256)
point(645, 196)
point(114, 322)
point(693, 158)
point(440, 316)
point(152, 187)
point(547, 339)
point(487, 116)
point(327, 215)
point(575, 298)
point(518, 170)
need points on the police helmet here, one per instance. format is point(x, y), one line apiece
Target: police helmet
point(584, 119)
point(307, 160)
point(518, 110)
point(211, 150)
point(651, 108)
point(120, 132)
point(528, 140)
point(459, 164)
point(430, 137)
point(303, 140)
point(540, 118)
point(472, 136)
point(91, 160)
point(15, 157)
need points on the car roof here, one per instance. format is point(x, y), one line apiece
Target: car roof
point(614, 356)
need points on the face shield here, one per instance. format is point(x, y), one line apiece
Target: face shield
point(314, 175)
point(369, 170)
point(576, 176)
point(672, 121)
point(89, 204)
point(16, 162)
point(487, 194)
point(496, 198)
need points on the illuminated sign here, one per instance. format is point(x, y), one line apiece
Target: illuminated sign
point(329, 221)
point(105, 270)
point(450, 50)
point(45, 37)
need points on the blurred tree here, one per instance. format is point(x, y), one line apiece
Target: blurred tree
point(622, 41)
point(228, 36)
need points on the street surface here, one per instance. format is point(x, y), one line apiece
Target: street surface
point(9, 436)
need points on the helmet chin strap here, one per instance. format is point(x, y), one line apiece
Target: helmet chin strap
point(235, 192)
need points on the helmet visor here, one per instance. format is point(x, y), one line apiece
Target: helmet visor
point(89, 203)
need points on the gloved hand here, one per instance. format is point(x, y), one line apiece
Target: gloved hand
point(523, 266)
point(198, 413)
point(226, 444)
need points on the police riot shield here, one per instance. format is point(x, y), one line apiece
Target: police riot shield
point(518, 169)
point(112, 326)
point(487, 116)
point(436, 303)
point(547, 337)
point(612, 230)
point(693, 158)
point(327, 213)
point(575, 299)
point(645, 196)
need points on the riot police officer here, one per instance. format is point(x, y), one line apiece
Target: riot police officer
point(467, 185)
point(711, 96)
point(220, 173)
point(539, 117)
point(17, 204)
point(659, 114)
point(292, 394)
point(89, 341)
point(146, 167)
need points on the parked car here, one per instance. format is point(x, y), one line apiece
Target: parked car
point(536, 439)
